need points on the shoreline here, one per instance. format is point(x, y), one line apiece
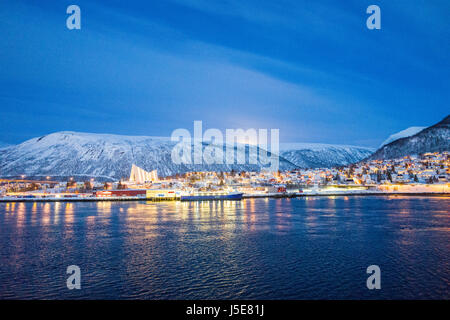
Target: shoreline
point(245, 196)
point(345, 194)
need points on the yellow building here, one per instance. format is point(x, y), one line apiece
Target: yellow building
point(158, 195)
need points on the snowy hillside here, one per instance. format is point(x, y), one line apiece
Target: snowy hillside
point(110, 157)
point(103, 156)
point(402, 134)
point(432, 139)
point(317, 155)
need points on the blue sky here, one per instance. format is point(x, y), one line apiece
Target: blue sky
point(309, 68)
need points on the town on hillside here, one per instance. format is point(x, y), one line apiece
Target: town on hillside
point(426, 173)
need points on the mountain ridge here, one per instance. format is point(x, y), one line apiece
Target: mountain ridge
point(435, 138)
point(109, 156)
point(402, 134)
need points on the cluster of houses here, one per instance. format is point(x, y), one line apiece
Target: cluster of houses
point(430, 169)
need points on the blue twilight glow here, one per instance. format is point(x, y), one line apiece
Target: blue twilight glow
point(310, 68)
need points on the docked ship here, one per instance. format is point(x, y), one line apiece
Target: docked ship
point(205, 196)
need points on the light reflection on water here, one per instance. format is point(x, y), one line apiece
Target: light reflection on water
point(313, 247)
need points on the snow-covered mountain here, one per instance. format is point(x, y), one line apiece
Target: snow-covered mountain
point(318, 155)
point(104, 156)
point(432, 139)
point(402, 134)
point(110, 157)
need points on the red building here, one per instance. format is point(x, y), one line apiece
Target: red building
point(120, 193)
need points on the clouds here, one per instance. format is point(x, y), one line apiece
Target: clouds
point(310, 69)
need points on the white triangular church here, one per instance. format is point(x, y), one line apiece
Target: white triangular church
point(139, 175)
